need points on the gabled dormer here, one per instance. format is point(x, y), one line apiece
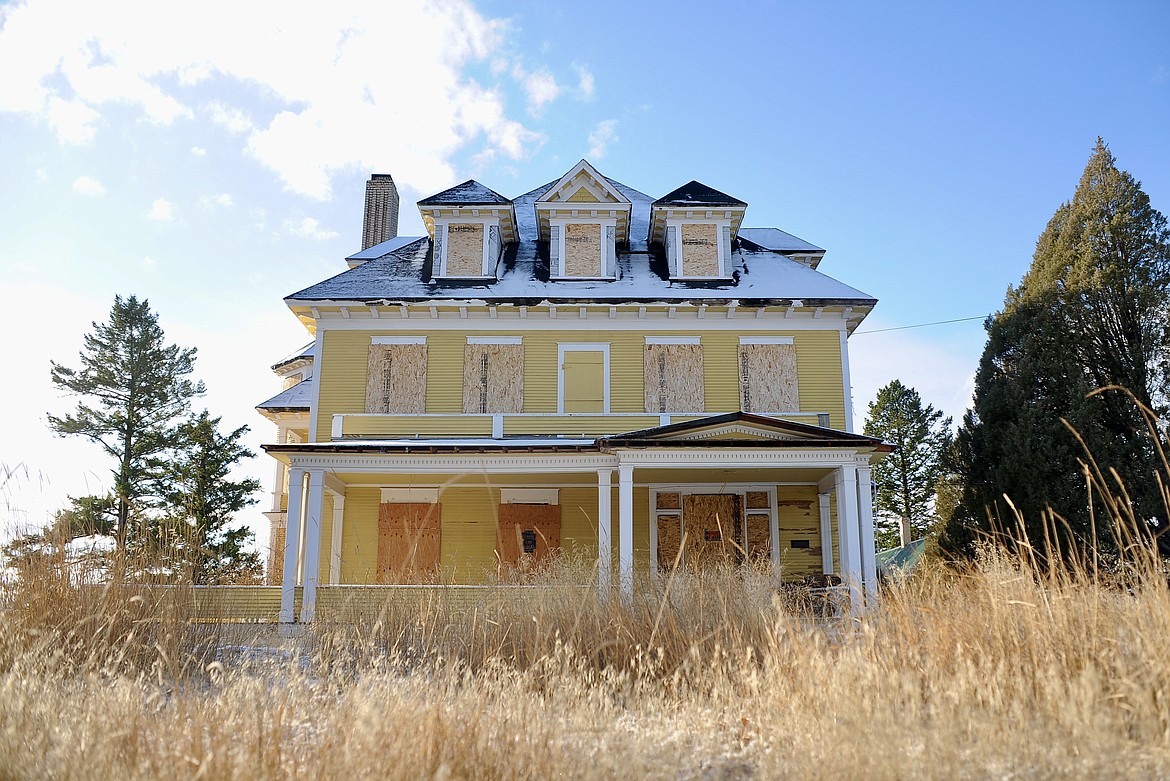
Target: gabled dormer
point(696, 225)
point(584, 219)
point(469, 225)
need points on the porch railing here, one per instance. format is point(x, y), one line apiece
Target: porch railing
point(362, 425)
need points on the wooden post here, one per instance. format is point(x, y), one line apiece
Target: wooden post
point(868, 547)
point(604, 531)
point(626, 530)
point(335, 541)
point(313, 513)
point(292, 540)
point(848, 532)
point(826, 534)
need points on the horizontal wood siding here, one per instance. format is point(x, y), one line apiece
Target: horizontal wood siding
point(800, 519)
point(412, 425)
point(345, 356)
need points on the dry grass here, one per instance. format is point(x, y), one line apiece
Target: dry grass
point(997, 671)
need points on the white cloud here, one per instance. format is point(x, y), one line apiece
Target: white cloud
point(162, 210)
point(601, 136)
point(198, 151)
point(542, 89)
point(87, 185)
point(149, 262)
point(42, 174)
point(585, 84)
point(311, 94)
point(209, 201)
point(309, 228)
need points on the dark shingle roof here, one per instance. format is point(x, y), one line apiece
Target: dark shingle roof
point(776, 240)
point(470, 192)
point(697, 194)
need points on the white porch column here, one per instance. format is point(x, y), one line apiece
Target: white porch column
point(335, 542)
point(626, 530)
point(826, 534)
point(313, 512)
point(865, 523)
point(604, 531)
point(847, 531)
point(292, 544)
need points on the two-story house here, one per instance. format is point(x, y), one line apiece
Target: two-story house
point(580, 368)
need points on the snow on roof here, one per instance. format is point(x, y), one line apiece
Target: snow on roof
point(384, 248)
point(308, 351)
point(695, 193)
point(297, 397)
point(759, 271)
point(470, 192)
point(776, 240)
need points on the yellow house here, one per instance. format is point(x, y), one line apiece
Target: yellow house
point(582, 368)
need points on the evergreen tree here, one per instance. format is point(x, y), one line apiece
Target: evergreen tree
point(906, 480)
point(199, 500)
point(133, 387)
point(1091, 312)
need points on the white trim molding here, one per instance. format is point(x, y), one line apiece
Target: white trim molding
point(530, 496)
point(398, 340)
point(409, 495)
point(495, 340)
point(673, 340)
point(590, 347)
point(765, 340)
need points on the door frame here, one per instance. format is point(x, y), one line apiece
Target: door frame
point(740, 489)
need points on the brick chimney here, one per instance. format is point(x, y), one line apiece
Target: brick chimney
point(381, 217)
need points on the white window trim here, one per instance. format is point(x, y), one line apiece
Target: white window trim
point(740, 489)
point(765, 340)
point(676, 263)
point(487, 264)
point(568, 347)
point(608, 251)
point(673, 340)
point(530, 496)
point(398, 340)
point(410, 495)
point(495, 340)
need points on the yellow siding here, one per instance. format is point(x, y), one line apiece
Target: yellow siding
point(800, 519)
point(343, 370)
point(572, 425)
point(410, 425)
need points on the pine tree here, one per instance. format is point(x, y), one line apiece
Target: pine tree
point(133, 388)
point(199, 500)
point(906, 480)
point(1091, 312)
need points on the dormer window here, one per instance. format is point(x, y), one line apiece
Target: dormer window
point(468, 225)
point(695, 225)
point(584, 218)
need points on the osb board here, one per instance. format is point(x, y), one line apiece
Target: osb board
point(800, 519)
point(582, 250)
point(768, 381)
point(700, 250)
point(667, 501)
point(669, 538)
point(493, 378)
point(542, 524)
point(409, 541)
point(276, 557)
point(465, 250)
point(759, 536)
point(712, 523)
point(673, 377)
point(758, 500)
point(396, 381)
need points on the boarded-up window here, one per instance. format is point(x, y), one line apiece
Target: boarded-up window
point(759, 537)
point(582, 250)
point(409, 538)
point(767, 378)
point(397, 379)
point(528, 535)
point(465, 250)
point(674, 377)
point(714, 530)
point(493, 378)
point(700, 250)
point(669, 537)
point(583, 387)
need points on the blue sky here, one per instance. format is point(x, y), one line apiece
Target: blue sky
point(211, 157)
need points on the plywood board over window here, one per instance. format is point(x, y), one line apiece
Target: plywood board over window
point(714, 530)
point(493, 378)
point(465, 250)
point(700, 250)
point(673, 377)
point(528, 536)
point(409, 538)
point(767, 378)
point(396, 381)
point(582, 250)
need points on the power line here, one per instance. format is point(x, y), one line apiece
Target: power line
point(921, 325)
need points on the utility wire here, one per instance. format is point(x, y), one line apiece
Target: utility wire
point(920, 325)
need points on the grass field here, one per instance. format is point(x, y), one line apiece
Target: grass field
point(991, 672)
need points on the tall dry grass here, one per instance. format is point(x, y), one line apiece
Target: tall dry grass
point(998, 670)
